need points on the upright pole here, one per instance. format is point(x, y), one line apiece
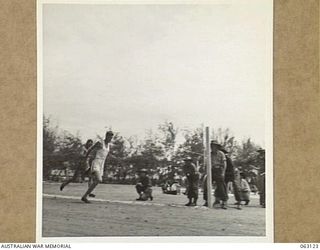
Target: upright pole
point(204, 148)
point(208, 163)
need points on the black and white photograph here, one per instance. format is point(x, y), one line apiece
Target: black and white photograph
point(155, 120)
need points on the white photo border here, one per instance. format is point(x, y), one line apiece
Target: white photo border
point(268, 238)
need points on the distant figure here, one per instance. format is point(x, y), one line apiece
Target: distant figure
point(83, 166)
point(244, 189)
point(143, 186)
point(219, 166)
point(97, 167)
point(192, 175)
point(262, 177)
point(169, 188)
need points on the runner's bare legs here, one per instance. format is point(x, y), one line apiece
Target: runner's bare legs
point(96, 179)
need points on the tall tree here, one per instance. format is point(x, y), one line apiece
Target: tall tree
point(192, 145)
point(245, 155)
point(149, 153)
point(69, 149)
point(59, 147)
point(168, 135)
point(119, 151)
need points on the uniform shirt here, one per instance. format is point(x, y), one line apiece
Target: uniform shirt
point(218, 162)
point(244, 186)
point(145, 181)
point(191, 172)
point(229, 170)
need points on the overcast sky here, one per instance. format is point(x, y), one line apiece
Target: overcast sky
point(132, 67)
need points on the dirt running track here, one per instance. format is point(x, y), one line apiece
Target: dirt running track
point(115, 212)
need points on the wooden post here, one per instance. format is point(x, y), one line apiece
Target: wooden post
point(204, 148)
point(208, 163)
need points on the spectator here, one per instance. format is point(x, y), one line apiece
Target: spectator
point(143, 186)
point(219, 165)
point(244, 189)
point(193, 182)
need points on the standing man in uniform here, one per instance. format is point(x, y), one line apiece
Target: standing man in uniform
point(262, 176)
point(97, 167)
point(192, 175)
point(219, 166)
point(232, 175)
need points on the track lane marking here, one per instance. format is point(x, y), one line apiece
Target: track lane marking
point(138, 203)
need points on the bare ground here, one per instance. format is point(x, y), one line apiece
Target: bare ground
point(115, 212)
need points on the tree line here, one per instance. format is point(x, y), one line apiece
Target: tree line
point(159, 149)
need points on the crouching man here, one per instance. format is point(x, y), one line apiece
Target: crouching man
point(143, 186)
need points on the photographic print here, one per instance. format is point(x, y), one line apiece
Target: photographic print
point(155, 120)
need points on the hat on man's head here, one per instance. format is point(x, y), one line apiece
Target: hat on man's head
point(215, 142)
point(261, 150)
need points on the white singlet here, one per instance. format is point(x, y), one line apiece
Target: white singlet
point(101, 155)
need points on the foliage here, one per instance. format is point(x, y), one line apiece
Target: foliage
point(192, 146)
point(168, 139)
point(157, 150)
point(60, 148)
point(246, 155)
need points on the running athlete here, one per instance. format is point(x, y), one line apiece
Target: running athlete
point(82, 167)
point(102, 150)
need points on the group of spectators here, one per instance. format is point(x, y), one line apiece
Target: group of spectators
point(225, 177)
point(223, 173)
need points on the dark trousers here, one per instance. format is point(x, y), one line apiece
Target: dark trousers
point(193, 191)
point(220, 192)
point(193, 187)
